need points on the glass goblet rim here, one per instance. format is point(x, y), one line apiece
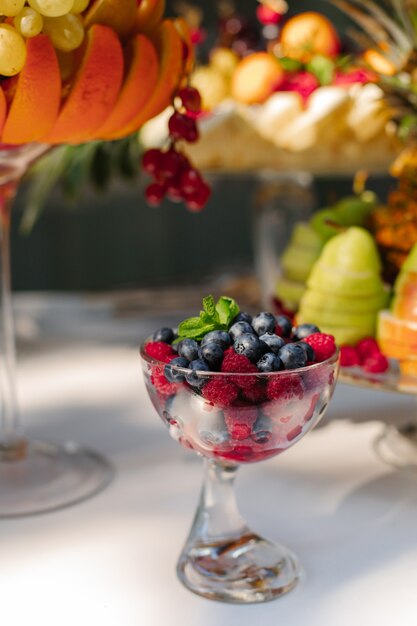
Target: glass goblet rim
point(262, 375)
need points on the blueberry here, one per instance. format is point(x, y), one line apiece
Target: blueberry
point(273, 342)
point(212, 353)
point(311, 356)
point(193, 378)
point(285, 325)
point(242, 317)
point(163, 334)
point(303, 331)
point(239, 329)
point(221, 337)
point(269, 362)
point(188, 348)
point(293, 356)
point(264, 323)
point(173, 375)
point(262, 429)
point(249, 345)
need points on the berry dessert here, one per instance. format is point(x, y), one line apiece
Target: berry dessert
point(239, 388)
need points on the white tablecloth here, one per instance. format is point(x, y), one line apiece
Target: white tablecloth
point(110, 561)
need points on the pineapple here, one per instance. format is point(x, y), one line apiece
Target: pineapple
point(390, 29)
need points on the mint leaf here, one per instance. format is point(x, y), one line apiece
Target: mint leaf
point(290, 65)
point(227, 309)
point(189, 325)
point(322, 68)
point(209, 306)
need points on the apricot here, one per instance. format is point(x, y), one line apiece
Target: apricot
point(139, 83)
point(256, 77)
point(35, 105)
point(95, 88)
point(149, 14)
point(120, 16)
point(169, 46)
point(308, 34)
point(379, 63)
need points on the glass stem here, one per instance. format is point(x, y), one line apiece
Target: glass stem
point(217, 518)
point(10, 436)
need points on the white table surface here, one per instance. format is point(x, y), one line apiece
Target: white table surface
point(110, 561)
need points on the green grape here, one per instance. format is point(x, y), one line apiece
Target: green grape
point(12, 51)
point(79, 6)
point(10, 8)
point(52, 8)
point(66, 32)
point(28, 22)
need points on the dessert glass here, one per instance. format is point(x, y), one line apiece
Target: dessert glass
point(223, 559)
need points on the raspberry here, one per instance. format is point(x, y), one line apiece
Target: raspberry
point(239, 421)
point(163, 387)
point(239, 364)
point(376, 364)
point(323, 345)
point(349, 356)
point(221, 392)
point(255, 394)
point(285, 387)
point(367, 347)
point(159, 350)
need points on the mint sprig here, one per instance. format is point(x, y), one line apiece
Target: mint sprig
point(214, 316)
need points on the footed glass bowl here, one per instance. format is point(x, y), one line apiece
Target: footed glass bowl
point(231, 419)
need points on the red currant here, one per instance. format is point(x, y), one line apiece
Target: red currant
point(170, 165)
point(191, 99)
point(154, 194)
point(190, 181)
point(183, 127)
point(196, 201)
point(151, 161)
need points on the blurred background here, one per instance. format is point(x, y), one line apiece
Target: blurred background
point(112, 240)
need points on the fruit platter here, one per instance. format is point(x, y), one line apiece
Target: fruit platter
point(352, 269)
point(290, 94)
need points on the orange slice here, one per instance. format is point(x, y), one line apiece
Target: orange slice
point(3, 108)
point(169, 46)
point(35, 104)
point(94, 91)
point(139, 84)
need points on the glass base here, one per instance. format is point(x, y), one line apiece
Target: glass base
point(41, 477)
point(248, 570)
point(398, 446)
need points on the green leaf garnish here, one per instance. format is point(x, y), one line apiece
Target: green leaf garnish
point(215, 316)
point(323, 69)
point(291, 65)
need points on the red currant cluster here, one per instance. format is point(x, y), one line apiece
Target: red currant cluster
point(174, 176)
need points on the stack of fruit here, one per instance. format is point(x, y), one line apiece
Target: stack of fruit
point(307, 241)
point(302, 103)
point(397, 328)
point(73, 70)
point(345, 290)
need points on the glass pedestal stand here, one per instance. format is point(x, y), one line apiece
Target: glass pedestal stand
point(35, 476)
point(396, 446)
